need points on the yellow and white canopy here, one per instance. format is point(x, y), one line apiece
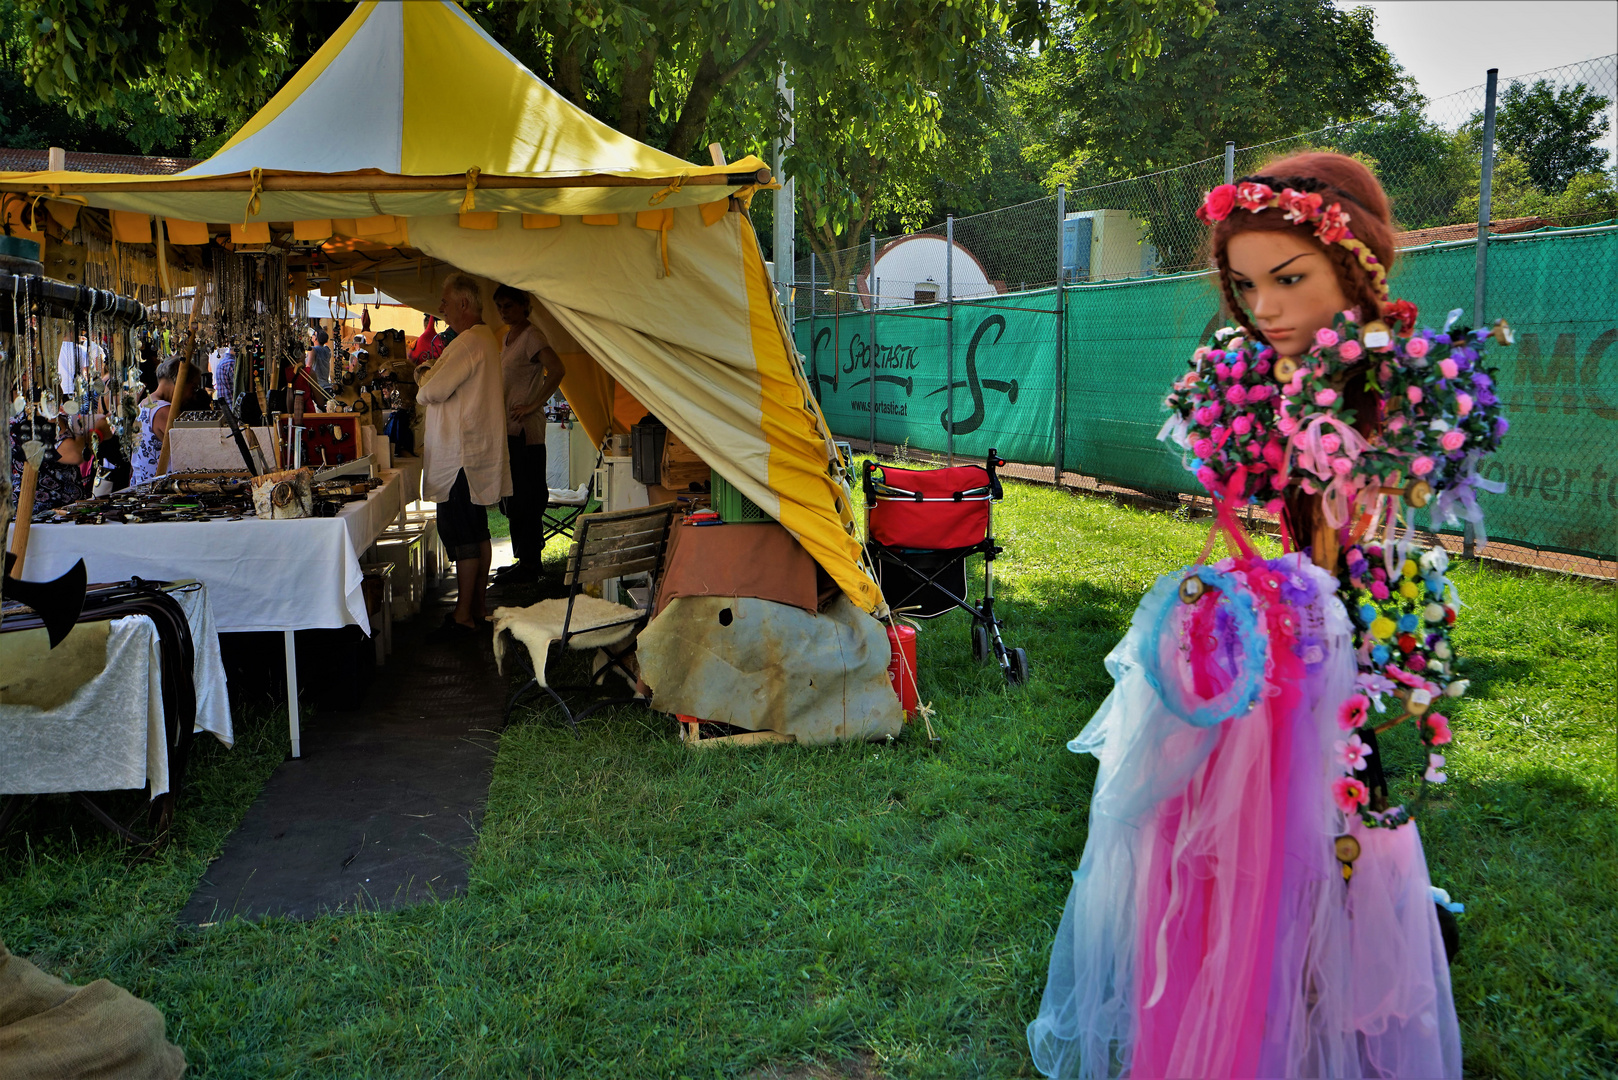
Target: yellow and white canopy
point(453, 156)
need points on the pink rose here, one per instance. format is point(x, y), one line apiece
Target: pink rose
point(1219, 434)
point(1379, 589)
point(1222, 370)
point(1414, 394)
point(1254, 197)
point(1325, 337)
point(1275, 454)
point(1421, 466)
point(1242, 424)
point(1262, 392)
point(1438, 725)
point(1350, 350)
point(1463, 404)
point(1396, 425)
point(1218, 204)
point(1236, 395)
point(1448, 368)
point(1349, 794)
point(1453, 440)
point(1238, 369)
point(1287, 425)
point(1325, 397)
point(1351, 713)
point(1416, 347)
point(1203, 448)
point(1331, 443)
point(1207, 477)
point(1341, 466)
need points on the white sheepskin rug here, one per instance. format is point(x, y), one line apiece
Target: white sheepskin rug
point(537, 626)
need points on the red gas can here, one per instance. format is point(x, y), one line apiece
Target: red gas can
point(902, 672)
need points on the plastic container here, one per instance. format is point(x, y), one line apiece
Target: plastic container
point(902, 642)
point(733, 506)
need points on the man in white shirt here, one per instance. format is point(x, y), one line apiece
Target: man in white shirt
point(465, 465)
point(75, 359)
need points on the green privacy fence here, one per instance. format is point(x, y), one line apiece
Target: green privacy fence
point(1005, 375)
point(1125, 342)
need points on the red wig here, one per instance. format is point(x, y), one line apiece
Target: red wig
point(1340, 179)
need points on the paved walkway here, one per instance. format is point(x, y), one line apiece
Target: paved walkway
point(382, 810)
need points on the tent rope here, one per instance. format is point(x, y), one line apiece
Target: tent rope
point(470, 202)
point(253, 200)
point(673, 189)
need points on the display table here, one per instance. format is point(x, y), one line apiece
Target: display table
point(302, 574)
point(110, 735)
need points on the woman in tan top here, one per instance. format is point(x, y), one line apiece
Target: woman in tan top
point(531, 371)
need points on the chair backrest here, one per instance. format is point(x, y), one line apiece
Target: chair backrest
point(615, 543)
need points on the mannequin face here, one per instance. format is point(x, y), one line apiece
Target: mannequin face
point(1288, 286)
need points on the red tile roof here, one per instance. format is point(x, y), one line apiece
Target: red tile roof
point(1468, 231)
point(12, 160)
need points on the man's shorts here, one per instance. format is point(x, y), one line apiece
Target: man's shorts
point(463, 527)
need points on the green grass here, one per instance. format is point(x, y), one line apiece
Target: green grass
point(636, 909)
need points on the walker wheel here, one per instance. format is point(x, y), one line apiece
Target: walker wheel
point(1017, 672)
point(980, 642)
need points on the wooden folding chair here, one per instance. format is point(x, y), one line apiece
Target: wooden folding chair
point(606, 545)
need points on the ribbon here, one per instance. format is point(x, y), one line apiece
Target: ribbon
point(470, 201)
point(1458, 501)
point(1341, 493)
point(253, 200)
point(673, 189)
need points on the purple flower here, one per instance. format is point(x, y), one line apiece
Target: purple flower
point(1486, 397)
point(1501, 426)
point(1481, 380)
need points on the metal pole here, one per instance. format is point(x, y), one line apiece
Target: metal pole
point(1230, 163)
point(870, 348)
point(1060, 419)
point(814, 299)
point(1481, 274)
point(786, 228)
point(949, 335)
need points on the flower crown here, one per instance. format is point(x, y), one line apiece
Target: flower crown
point(1300, 200)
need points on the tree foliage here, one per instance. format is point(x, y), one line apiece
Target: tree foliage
point(1265, 69)
point(1552, 132)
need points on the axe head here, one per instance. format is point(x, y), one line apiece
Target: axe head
point(58, 603)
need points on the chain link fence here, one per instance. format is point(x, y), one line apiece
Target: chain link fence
point(956, 339)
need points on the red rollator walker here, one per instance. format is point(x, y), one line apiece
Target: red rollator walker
point(920, 526)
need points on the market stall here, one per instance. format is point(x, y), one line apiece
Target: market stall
point(647, 277)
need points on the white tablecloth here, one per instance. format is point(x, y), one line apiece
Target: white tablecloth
point(110, 735)
point(300, 574)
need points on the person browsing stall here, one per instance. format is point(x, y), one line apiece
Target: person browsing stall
point(154, 422)
point(465, 466)
point(531, 371)
point(318, 360)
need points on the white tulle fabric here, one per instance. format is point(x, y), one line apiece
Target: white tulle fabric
point(1209, 932)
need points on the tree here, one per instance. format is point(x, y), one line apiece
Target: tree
point(1425, 170)
point(1265, 69)
point(1588, 197)
point(1553, 132)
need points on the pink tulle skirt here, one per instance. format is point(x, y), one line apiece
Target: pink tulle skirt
point(1209, 931)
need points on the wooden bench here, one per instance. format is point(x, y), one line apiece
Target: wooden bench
point(606, 545)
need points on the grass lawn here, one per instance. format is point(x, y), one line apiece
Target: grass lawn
point(636, 909)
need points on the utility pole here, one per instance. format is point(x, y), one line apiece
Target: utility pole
point(786, 222)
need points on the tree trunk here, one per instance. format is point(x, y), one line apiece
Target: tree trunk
point(635, 102)
point(710, 78)
point(567, 69)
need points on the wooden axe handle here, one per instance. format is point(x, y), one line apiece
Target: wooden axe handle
point(25, 517)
